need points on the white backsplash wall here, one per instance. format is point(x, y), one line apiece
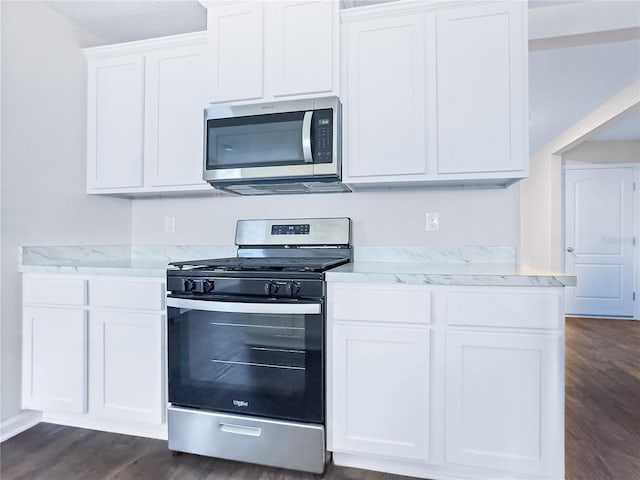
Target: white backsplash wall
point(385, 218)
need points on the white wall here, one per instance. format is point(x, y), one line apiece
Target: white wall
point(539, 209)
point(1, 211)
point(604, 152)
point(467, 217)
point(541, 192)
point(43, 161)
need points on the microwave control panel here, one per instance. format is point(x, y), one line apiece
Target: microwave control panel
point(322, 136)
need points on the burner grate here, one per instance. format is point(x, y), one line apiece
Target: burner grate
point(268, 264)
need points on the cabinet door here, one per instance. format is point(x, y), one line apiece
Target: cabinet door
point(54, 363)
point(115, 121)
point(175, 100)
point(235, 51)
point(125, 358)
point(385, 111)
point(504, 402)
point(301, 46)
point(482, 95)
point(381, 391)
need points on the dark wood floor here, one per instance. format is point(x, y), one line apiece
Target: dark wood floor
point(602, 429)
point(54, 452)
point(602, 407)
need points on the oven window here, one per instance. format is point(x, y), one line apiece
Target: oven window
point(260, 364)
point(254, 141)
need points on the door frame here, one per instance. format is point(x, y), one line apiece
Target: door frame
point(636, 224)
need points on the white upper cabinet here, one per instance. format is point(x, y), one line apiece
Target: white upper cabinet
point(115, 122)
point(482, 93)
point(145, 116)
point(259, 51)
point(235, 49)
point(301, 53)
point(174, 92)
point(436, 93)
point(385, 91)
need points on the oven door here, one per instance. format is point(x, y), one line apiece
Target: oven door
point(256, 358)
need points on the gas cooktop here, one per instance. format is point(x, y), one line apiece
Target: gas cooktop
point(276, 258)
point(262, 264)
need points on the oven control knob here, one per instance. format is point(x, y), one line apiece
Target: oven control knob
point(270, 288)
point(292, 289)
point(188, 285)
point(202, 286)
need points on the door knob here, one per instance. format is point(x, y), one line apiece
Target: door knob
point(569, 249)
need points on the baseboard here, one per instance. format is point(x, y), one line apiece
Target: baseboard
point(433, 471)
point(19, 423)
point(601, 317)
point(159, 432)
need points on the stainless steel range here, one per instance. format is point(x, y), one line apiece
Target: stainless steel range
point(246, 342)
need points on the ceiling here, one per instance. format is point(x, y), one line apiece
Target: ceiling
point(115, 21)
point(565, 84)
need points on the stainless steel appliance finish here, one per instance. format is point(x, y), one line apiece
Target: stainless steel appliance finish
point(248, 439)
point(322, 231)
point(280, 147)
point(240, 307)
point(246, 344)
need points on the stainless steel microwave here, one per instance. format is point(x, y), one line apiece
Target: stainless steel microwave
point(280, 147)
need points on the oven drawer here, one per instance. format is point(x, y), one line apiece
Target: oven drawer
point(276, 443)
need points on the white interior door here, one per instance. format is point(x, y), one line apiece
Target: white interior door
point(599, 243)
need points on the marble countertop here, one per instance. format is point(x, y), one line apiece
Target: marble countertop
point(412, 265)
point(126, 260)
point(124, 266)
point(498, 274)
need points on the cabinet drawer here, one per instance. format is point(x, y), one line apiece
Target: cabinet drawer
point(126, 294)
point(54, 291)
point(504, 309)
point(382, 303)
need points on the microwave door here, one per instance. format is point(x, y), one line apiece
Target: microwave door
point(253, 143)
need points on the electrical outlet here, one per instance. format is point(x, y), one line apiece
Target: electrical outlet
point(170, 224)
point(433, 221)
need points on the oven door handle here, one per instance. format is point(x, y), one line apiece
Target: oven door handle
point(249, 307)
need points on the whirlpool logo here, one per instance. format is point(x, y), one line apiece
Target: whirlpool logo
point(240, 403)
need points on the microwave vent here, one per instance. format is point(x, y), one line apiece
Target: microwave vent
point(285, 188)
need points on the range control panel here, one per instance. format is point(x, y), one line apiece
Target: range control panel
point(296, 229)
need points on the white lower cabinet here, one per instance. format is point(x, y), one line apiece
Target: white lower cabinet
point(95, 360)
point(502, 391)
point(54, 364)
point(446, 382)
point(381, 390)
point(125, 358)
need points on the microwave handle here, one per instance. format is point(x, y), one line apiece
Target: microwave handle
point(306, 137)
